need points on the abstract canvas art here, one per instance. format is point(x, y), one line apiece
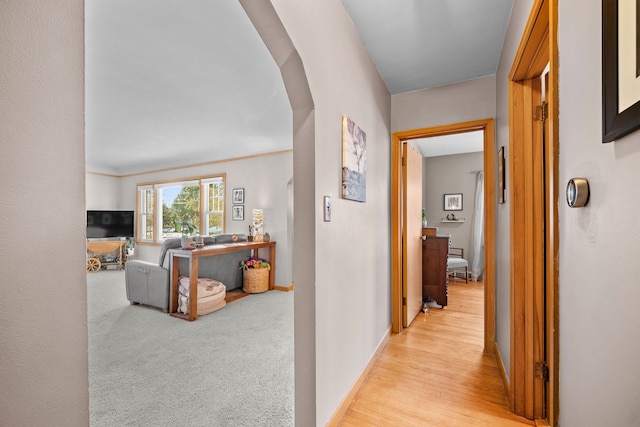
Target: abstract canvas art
point(354, 159)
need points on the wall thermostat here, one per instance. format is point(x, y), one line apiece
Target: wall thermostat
point(577, 192)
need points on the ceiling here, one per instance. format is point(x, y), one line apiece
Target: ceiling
point(172, 83)
point(419, 44)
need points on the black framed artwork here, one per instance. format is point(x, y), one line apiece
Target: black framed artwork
point(453, 202)
point(620, 69)
point(237, 212)
point(238, 195)
point(501, 175)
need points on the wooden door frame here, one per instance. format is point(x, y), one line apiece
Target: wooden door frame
point(488, 126)
point(533, 199)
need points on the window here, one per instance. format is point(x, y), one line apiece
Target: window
point(180, 208)
point(171, 209)
point(145, 223)
point(214, 206)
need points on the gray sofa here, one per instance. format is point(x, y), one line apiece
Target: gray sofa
point(148, 283)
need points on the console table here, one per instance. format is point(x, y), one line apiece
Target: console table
point(262, 250)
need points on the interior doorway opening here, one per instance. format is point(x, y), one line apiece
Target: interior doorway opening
point(453, 198)
point(398, 139)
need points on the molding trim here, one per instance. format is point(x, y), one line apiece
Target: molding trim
point(110, 175)
point(504, 376)
point(214, 162)
point(337, 416)
point(533, 163)
point(284, 288)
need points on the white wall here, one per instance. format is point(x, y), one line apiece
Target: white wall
point(446, 175)
point(600, 243)
point(263, 178)
point(43, 299)
point(102, 192)
point(352, 287)
point(454, 103)
point(519, 16)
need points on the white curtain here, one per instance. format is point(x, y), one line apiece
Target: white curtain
point(477, 237)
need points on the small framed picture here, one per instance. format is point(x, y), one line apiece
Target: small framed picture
point(237, 212)
point(620, 94)
point(453, 202)
point(238, 196)
point(501, 175)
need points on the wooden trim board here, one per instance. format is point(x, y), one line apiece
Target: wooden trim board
point(504, 376)
point(533, 163)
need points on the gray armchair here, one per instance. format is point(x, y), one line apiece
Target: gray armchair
point(148, 283)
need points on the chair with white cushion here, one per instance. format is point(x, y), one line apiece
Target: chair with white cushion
point(456, 261)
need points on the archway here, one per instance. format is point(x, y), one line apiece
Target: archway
point(266, 21)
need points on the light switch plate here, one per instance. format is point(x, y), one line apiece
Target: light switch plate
point(327, 208)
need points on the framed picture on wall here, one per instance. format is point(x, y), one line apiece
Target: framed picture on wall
point(501, 175)
point(237, 212)
point(453, 202)
point(354, 161)
point(238, 195)
point(620, 69)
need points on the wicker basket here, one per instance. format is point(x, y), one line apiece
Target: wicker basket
point(255, 280)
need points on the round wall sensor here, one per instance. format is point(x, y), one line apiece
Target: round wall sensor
point(577, 192)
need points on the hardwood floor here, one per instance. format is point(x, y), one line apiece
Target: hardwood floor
point(435, 372)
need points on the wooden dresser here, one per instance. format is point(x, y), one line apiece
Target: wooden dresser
point(434, 268)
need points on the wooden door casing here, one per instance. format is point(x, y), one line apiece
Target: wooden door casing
point(533, 163)
point(488, 127)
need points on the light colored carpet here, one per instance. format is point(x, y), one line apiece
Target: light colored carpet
point(232, 367)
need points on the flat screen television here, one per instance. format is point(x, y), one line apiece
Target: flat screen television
point(103, 224)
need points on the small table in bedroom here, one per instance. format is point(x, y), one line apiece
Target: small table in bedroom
point(263, 250)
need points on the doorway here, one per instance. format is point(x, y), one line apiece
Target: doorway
point(533, 163)
point(397, 255)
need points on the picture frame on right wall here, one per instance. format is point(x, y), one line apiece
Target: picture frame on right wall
point(501, 175)
point(620, 69)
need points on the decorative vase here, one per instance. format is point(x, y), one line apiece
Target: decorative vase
point(187, 243)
